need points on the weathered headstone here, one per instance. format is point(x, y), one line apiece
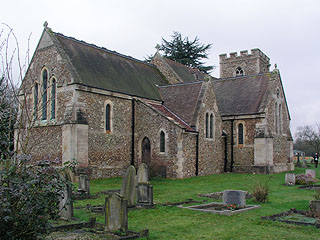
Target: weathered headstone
point(144, 194)
point(311, 172)
point(65, 204)
point(315, 208)
point(290, 179)
point(143, 173)
point(116, 213)
point(128, 190)
point(84, 184)
point(304, 163)
point(237, 197)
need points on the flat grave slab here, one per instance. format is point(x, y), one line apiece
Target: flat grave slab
point(220, 208)
point(296, 217)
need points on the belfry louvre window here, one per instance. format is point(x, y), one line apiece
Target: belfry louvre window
point(239, 71)
point(240, 133)
point(162, 142)
point(53, 99)
point(108, 118)
point(44, 94)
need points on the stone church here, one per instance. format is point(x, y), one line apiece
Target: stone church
point(108, 111)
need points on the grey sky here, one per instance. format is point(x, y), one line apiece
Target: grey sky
point(285, 30)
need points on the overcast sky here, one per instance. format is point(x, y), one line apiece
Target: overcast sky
point(287, 31)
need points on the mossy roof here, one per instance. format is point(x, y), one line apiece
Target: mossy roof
point(182, 99)
point(242, 95)
point(104, 69)
point(185, 73)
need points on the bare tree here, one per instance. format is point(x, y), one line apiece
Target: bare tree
point(18, 106)
point(310, 135)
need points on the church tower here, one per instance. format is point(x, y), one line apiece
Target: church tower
point(245, 64)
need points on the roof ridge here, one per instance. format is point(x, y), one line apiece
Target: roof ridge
point(103, 49)
point(180, 84)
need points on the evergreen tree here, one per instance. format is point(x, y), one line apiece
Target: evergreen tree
point(185, 51)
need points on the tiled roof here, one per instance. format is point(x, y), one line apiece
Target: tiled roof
point(182, 99)
point(171, 116)
point(185, 73)
point(242, 95)
point(105, 69)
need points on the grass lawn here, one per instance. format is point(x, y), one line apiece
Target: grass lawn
point(165, 222)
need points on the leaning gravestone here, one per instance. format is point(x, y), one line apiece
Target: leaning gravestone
point(311, 172)
point(290, 179)
point(116, 213)
point(143, 173)
point(65, 204)
point(128, 189)
point(237, 197)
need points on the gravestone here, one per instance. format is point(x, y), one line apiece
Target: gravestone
point(315, 208)
point(128, 189)
point(84, 184)
point(237, 197)
point(144, 194)
point(116, 213)
point(143, 173)
point(311, 172)
point(65, 203)
point(290, 179)
point(304, 164)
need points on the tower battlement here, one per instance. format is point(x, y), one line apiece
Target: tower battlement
point(243, 64)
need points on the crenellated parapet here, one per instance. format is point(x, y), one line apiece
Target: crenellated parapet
point(244, 63)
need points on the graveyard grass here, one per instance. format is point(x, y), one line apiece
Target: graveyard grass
point(171, 222)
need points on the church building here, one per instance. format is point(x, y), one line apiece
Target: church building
point(107, 111)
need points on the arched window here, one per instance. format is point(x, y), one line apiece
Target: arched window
point(162, 142)
point(280, 125)
point(53, 98)
point(240, 133)
point(36, 99)
point(239, 71)
point(211, 125)
point(108, 118)
point(276, 117)
point(207, 125)
point(44, 94)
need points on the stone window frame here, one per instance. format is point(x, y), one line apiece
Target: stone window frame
point(53, 78)
point(165, 141)
point(209, 129)
point(239, 71)
point(44, 92)
point(243, 134)
point(110, 103)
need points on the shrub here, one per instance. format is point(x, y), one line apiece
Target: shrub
point(260, 192)
point(29, 197)
point(303, 179)
point(317, 195)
